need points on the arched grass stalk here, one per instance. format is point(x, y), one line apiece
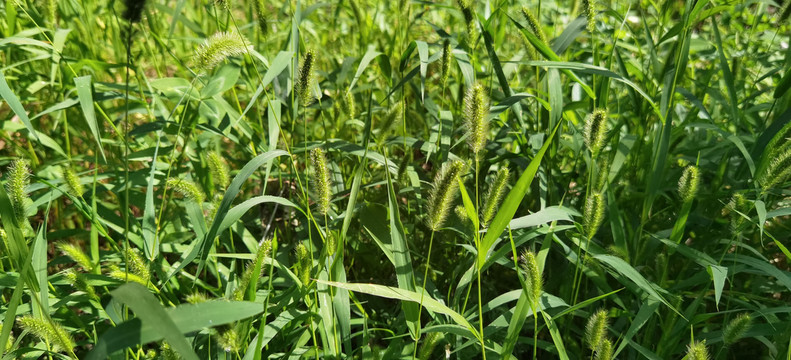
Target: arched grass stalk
point(443, 192)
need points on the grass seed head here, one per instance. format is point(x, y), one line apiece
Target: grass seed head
point(78, 281)
point(349, 105)
point(447, 52)
point(16, 186)
point(595, 131)
point(126, 276)
point(430, 342)
point(260, 14)
point(444, 191)
point(321, 180)
point(136, 264)
point(736, 329)
point(167, 353)
point(535, 282)
point(219, 170)
point(697, 351)
point(304, 264)
point(391, 120)
point(737, 206)
point(688, 183)
point(589, 7)
point(49, 331)
point(196, 298)
point(229, 340)
point(778, 169)
point(217, 48)
point(495, 195)
point(534, 24)
point(305, 81)
point(785, 11)
point(187, 189)
point(73, 182)
point(476, 108)
point(605, 352)
point(596, 330)
point(593, 215)
point(75, 253)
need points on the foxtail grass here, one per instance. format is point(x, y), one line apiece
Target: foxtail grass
point(217, 48)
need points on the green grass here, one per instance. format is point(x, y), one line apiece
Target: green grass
point(256, 180)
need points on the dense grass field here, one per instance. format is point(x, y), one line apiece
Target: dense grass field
point(364, 179)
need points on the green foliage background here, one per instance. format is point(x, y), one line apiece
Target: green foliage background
point(264, 179)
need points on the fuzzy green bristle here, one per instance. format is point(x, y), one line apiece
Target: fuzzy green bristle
point(476, 110)
point(443, 193)
point(736, 329)
point(196, 298)
point(229, 340)
point(305, 81)
point(595, 131)
point(596, 330)
point(589, 7)
point(698, 351)
point(260, 14)
point(495, 195)
point(349, 106)
point(430, 343)
point(78, 281)
point(50, 331)
point(534, 24)
point(605, 350)
point(593, 216)
point(217, 48)
point(219, 170)
point(688, 183)
point(187, 189)
point(136, 264)
point(16, 186)
point(391, 120)
point(321, 180)
point(304, 265)
point(75, 253)
point(73, 182)
point(533, 278)
point(447, 51)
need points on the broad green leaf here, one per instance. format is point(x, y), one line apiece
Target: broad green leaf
point(511, 202)
point(629, 272)
point(718, 276)
point(187, 318)
point(543, 216)
point(150, 312)
point(410, 296)
point(85, 94)
point(15, 105)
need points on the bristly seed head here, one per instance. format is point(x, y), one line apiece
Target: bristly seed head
point(736, 329)
point(50, 331)
point(476, 110)
point(260, 13)
point(73, 182)
point(391, 120)
point(495, 195)
point(593, 215)
point(16, 186)
point(605, 352)
point(596, 330)
point(589, 7)
point(187, 189)
point(534, 280)
point(219, 47)
point(136, 265)
point(534, 24)
point(447, 51)
point(697, 351)
point(304, 265)
point(595, 131)
point(75, 253)
point(321, 180)
point(688, 183)
point(349, 106)
point(219, 170)
point(443, 193)
point(305, 81)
